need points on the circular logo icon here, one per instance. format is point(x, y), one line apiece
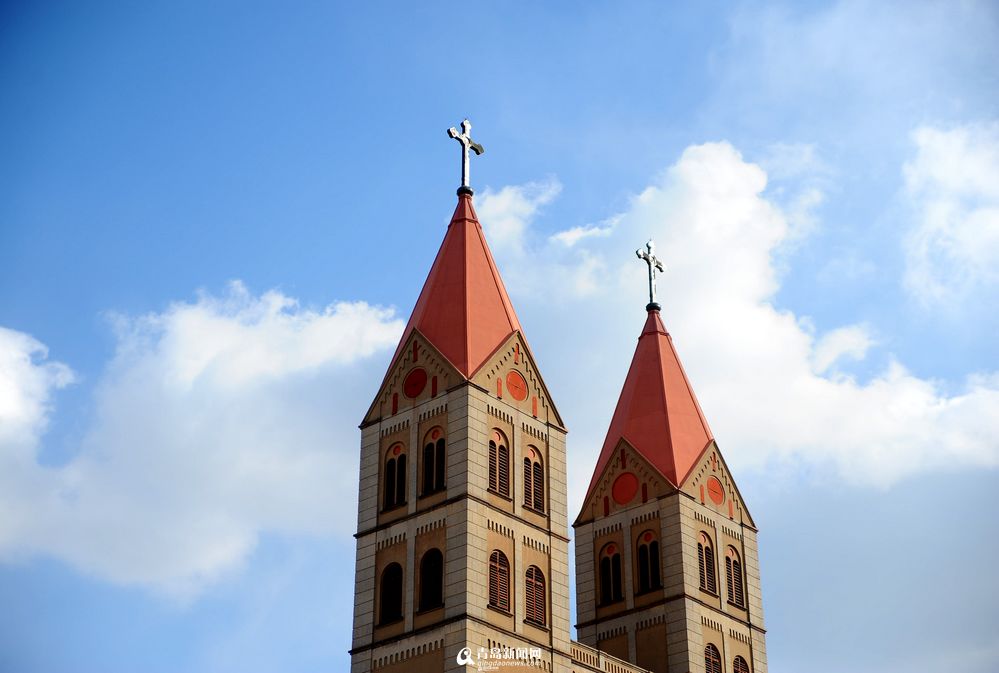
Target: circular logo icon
point(464, 657)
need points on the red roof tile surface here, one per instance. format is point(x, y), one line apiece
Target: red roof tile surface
point(657, 412)
point(463, 309)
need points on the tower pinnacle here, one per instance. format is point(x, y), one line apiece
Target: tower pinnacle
point(465, 138)
point(655, 264)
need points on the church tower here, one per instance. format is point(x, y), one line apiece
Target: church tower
point(462, 537)
point(667, 566)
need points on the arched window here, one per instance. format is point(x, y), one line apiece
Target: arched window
point(499, 581)
point(712, 660)
point(433, 462)
point(394, 492)
point(534, 480)
point(740, 665)
point(499, 464)
point(431, 580)
point(648, 562)
point(733, 578)
point(390, 598)
point(706, 563)
point(535, 595)
point(610, 574)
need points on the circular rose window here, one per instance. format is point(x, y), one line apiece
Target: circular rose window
point(715, 491)
point(517, 386)
point(624, 488)
point(415, 382)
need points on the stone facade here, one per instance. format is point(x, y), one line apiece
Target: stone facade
point(667, 628)
point(467, 521)
point(462, 526)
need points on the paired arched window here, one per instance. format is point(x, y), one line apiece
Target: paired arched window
point(499, 581)
point(648, 562)
point(706, 563)
point(394, 492)
point(534, 480)
point(390, 594)
point(433, 462)
point(610, 574)
point(431, 580)
point(740, 665)
point(535, 595)
point(712, 659)
point(499, 464)
point(733, 578)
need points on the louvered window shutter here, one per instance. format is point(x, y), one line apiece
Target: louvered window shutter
point(740, 665)
point(504, 470)
point(712, 660)
point(729, 580)
point(493, 466)
point(539, 488)
point(535, 595)
point(499, 581)
point(700, 566)
point(740, 597)
point(528, 489)
point(709, 562)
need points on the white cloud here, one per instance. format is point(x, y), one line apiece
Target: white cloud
point(768, 383)
point(505, 214)
point(217, 421)
point(852, 341)
point(952, 249)
point(26, 386)
point(572, 236)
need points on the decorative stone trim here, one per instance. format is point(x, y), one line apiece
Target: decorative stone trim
point(408, 653)
point(395, 427)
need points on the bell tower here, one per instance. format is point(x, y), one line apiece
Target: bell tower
point(462, 537)
point(667, 566)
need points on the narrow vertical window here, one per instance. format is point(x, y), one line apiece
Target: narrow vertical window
point(433, 462)
point(733, 578)
point(388, 499)
point(712, 659)
point(648, 562)
point(499, 581)
point(534, 480)
point(611, 587)
point(439, 465)
point(428, 468)
point(400, 480)
point(431, 580)
point(706, 564)
point(390, 594)
point(394, 478)
point(740, 665)
point(499, 464)
point(536, 608)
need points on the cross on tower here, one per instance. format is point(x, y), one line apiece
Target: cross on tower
point(655, 264)
point(465, 138)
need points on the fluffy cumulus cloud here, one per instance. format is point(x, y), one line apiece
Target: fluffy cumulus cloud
point(217, 421)
point(953, 183)
point(776, 391)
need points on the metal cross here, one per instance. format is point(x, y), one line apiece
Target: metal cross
point(465, 138)
point(655, 264)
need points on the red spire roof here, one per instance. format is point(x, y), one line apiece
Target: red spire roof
point(463, 309)
point(657, 412)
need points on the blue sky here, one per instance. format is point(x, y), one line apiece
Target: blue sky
point(215, 218)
